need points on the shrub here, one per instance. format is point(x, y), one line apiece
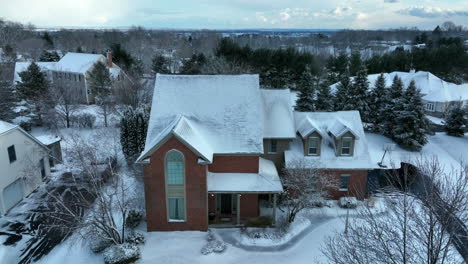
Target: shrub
point(85, 120)
point(260, 221)
point(122, 254)
point(133, 219)
point(348, 202)
point(135, 238)
point(97, 244)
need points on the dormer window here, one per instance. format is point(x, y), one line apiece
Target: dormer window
point(272, 146)
point(313, 147)
point(346, 146)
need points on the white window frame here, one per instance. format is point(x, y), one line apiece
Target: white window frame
point(347, 187)
point(350, 146)
point(270, 146)
point(184, 196)
point(316, 139)
point(430, 107)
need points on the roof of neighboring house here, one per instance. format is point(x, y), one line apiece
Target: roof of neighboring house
point(328, 123)
point(6, 127)
point(214, 114)
point(48, 139)
point(266, 181)
point(278, 121)
point(432, 87)
point(23, 66)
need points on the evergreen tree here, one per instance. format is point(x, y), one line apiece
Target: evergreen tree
point(456, 120)
point(160, 65)
point(305, 101)
point(324, 101)
point(121, 56)
point(378, 101)
point(33, 83)
point(394, 106)
point(133, 128)
point(7, 100)
point(342, 92)
point(49, 56)
point(358, 95)
point(100, 83)
point(194, 64)
point(411, 123)
point(355, 63)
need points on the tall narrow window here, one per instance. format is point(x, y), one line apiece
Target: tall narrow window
point(175, 182)
point(272, 146)
point(12, 153)
point(313, 146)
point(42, 166)
point(344, 182)
point(346, 146)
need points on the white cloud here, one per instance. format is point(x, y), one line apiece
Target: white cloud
point(432, 12)
point(284, 15)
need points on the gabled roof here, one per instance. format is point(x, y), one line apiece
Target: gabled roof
point(78, 62)
point(307, 126)
point(278, 120)
point(339, 127)
point(217, 114)
point(6, 127)
point(331, 121)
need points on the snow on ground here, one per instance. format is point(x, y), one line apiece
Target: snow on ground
point(436, 120)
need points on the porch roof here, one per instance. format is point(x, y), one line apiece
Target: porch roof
point(266, 181)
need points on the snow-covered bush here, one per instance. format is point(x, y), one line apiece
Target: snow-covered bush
point(85, 120)
point(348, 202)
point(97, 244)
point(135, 238)
point(134, 218)
point(122, 254)
point(214, 245)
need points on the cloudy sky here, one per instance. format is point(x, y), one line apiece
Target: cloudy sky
point(224, 14)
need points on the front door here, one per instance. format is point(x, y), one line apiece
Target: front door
point(226, 204)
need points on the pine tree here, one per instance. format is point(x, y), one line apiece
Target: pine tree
point(7, 100)
point(355, 63)
point(342, 92)
point(324, 101)
point(455, 120)
point(133, 129)
point(160, 65)
point(100, 83)
point(33, 83)
point(49, 56)
point(378, 101)
point(358, 95)
point(395, 104)
point(411, 122)
point(305, 101)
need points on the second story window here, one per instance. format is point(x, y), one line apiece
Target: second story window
point(313, 148)
point(346, 146)
point(272, 146)
point(12, 153)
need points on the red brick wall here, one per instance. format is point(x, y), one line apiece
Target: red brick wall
point(249, 205)
point(196, 191)
point(241, 164)
point(357, 183)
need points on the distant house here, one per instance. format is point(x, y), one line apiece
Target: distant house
point(215, 145)
point(73, 70)
point(438, 95)
point(55, 149)
point(24, 164)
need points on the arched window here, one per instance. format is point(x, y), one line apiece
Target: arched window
point(175, 185)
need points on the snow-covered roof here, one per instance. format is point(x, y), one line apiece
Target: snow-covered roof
point(48, 139)
point(326, 121)
point(78, 62)
point(432, 87)
point(221, 110)
point(339, 127)
point(23, 66)
point(266, 181)
point(278, 121)
point(5, 126)
point(307, 126)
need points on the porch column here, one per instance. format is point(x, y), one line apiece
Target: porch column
point(274, 209)
point(238, 209)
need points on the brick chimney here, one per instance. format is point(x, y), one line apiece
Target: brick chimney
point(109, 59)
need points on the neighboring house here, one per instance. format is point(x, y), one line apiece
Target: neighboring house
point(24, 164)
point(55, 150)
point(335, 143)
point(72, 70)
point(213, 143)
point(438, 95)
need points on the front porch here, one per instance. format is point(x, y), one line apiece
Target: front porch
point(240, 209)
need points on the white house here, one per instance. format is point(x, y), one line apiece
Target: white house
point(73, 70)
point(24, 165)
point(438, 94)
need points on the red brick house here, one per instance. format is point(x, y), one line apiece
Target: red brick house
point(215, 144)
